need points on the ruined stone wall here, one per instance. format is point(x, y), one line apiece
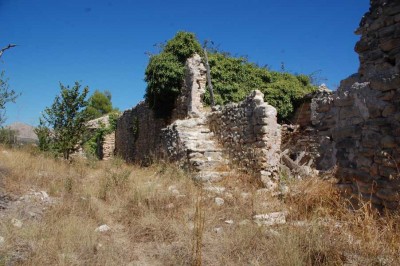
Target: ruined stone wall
point(106, 147)
point(249, 132)
point(358, 125)
point(138, 134)
point(190, 100)
point(379, 46)
point(366, 107)
point(301, 141)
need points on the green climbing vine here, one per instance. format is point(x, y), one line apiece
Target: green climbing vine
point(233, 78)
point(93, 139)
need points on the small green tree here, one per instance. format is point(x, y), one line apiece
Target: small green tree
point(64, 122)
point(6, 96)
point(99, 104)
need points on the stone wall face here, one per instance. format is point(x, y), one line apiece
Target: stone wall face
point(367, 131)
point(306, 142)
point(138, 134)
point(107, 147)
point(190, 101)
point(358, 126)
point(249, 132)
point(379, 46)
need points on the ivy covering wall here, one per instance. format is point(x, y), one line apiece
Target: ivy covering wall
point(233, 78)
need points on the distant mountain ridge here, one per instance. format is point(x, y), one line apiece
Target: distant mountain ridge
point(25, 132)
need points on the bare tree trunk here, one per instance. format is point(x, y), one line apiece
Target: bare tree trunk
point(210, 87)
point(6, 48)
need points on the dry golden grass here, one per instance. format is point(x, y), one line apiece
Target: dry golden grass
point(157, 217)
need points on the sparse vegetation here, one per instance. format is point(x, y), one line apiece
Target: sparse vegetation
point(152, 215)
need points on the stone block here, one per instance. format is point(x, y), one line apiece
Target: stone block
point(362, 176)
point(392, 10)
point(387, 31)
point(376, 122)
point(385, 84)
point(346, 132)
point(388, 172)
point(388, 194)
point(371, 198)
point(374, 111)
point(368, 152)
point(346, 143)
point(361, 46)
point(387, 95)
point(344, 101)
point(391, 205)
point(388, 142)
point(364, 161)
point(324, 107)
point(371, 139)
point(390, 109)
point(366, 188)
point(390, 44)
point(374, 170)
point(351, 111)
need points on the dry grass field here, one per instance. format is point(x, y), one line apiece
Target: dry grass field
point(50, 210)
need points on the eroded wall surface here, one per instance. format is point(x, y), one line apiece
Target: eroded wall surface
point(367, 133)
point(138, 133)
point(250, 134)
point(359, 124)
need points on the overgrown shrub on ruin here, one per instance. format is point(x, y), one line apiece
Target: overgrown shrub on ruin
point(233, 78)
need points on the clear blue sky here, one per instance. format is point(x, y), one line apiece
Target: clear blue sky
point(102, 43)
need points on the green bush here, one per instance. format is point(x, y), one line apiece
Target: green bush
point(233, 78)
point(8, 136)
point(165, 72)
point(183, 46)
point(164, 76)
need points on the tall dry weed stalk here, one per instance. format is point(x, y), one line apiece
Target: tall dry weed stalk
point(199, 221)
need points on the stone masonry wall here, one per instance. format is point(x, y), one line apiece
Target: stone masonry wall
point(367, 131)
point(359, 124)
point(379, 46)
point(189, 102)
point(249, 132)
point(107, 147)
point(138, 134)
point(302, 141)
